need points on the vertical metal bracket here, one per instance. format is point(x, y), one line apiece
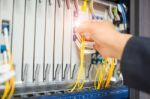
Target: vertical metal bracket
point(40, 1)
point(59, 3)
point(25, 72)
point(66, 71)
point(57, 72)
point(68, 4)
point(88, 72)
point(36, 72)
point(50, 2)
point(46, 73)
point(74, 71)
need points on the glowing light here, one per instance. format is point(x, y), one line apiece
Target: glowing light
point(77, 24)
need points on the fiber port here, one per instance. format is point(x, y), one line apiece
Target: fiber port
point(5, 24)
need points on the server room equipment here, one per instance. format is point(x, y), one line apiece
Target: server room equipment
point(41, 55)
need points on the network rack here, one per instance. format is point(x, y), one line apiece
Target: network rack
point(44, 49)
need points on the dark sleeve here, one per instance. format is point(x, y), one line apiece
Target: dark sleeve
point(135, 63)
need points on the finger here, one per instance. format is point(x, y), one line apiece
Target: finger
point(89, 39)
point(84, 27)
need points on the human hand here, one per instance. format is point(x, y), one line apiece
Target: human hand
point(108, 42)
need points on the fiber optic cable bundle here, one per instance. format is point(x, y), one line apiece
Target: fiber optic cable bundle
point(81, 72)
point(9, 82)
point(104, 73)
point(82, 45)
point(99, 77)
point(106, 66)
point(110, 72)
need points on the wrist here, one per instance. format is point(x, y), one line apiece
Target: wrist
point(121, 41)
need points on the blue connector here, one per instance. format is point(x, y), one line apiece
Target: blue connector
point(3, 48)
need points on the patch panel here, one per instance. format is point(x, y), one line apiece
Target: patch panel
point(45, 48)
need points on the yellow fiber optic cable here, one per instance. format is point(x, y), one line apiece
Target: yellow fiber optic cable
point(77, 83)
point(12, 80)
point(96, 80)
point(110, 73)
point(84, 6)
point(90, 7)
point(103, 72)
point(96, 76)
point(81, 72)
point(101, 76)
point(7, 85)
point(6, 90)
point(80, 80)
point(82, 84)
point(9, 88)
point(12, 87)
point(82, 62)
point(10, 83)
point(106, 62)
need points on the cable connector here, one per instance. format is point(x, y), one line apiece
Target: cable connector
point(5, 26)
point(2, 48)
